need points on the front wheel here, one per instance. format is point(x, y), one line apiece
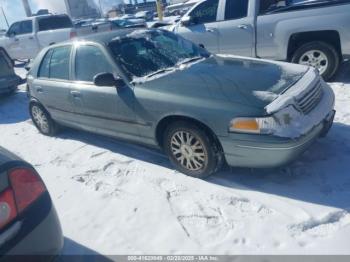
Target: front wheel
point(319, 55)
point(191, 150)
point(42, 120)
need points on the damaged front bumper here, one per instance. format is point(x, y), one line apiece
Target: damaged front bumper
point(259, 151)
point(291, 137)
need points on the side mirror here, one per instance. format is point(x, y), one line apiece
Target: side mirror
point(187, 21)
point(108, 79)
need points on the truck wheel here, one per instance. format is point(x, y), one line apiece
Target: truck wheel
point(320, 55)
point(42, 119)
point(191, 150)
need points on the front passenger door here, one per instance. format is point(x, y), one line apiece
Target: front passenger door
point(203, 26)
point(101, 109)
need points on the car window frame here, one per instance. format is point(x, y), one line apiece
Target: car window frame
point(9, 30)
point(223, 10)
point(69, 69)
point(21, 26)
point(42, 63)
point(103, 50)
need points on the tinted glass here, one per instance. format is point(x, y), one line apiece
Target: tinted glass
point(89, 62)
point(59, 64)
point(146, 52)
point(54, 22)
point(15, 29)
point(26, 27)
point(205, 12)
point(236, 9)
point(44, 70)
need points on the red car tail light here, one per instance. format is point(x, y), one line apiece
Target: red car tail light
point(8, 210)
point(27, 187)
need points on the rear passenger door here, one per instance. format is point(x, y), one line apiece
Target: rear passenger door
point(102, 109)
point(203, 29)
point(236, 28)
point(52, 85)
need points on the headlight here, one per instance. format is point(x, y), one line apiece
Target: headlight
point(261, 125)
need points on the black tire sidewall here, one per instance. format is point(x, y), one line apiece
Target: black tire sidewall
point(328, 50)
point(212, 161)
point(52, 127)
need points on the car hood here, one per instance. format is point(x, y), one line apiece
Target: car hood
point(247, 81)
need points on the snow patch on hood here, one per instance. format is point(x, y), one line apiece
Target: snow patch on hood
point(265, 95)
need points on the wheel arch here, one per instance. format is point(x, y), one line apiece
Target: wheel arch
point(167, 120)
point(296, 40)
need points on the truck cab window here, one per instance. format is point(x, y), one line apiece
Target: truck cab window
point(206, 12)
point(26, 27)
point(15, 29)
point(236, 9)
point(54, 22)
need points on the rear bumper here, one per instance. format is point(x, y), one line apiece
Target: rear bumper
point(268, 151)
point(44, 242)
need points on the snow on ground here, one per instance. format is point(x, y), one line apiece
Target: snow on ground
point(114, 197)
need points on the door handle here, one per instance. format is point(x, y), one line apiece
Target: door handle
point(39, 89)
point(16, 39)
point(75, 94)
point(31, 38)
point(244, 27)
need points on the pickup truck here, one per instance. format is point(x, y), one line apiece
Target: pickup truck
point(26, 38)
point(314, 33)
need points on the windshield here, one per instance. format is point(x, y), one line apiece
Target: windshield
point(143, 53)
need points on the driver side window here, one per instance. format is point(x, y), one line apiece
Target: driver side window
point(14, 29)
point(89, 62)
point(206, 12)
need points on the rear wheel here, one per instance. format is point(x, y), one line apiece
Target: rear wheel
point(319, 55)
point(191, 150)
point(42, 120)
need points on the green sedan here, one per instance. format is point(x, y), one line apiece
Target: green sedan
point(156, 88)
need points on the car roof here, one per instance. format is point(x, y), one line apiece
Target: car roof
point(104, 38)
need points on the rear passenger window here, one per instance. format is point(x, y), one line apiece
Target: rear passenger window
point(205, 12)
point(236, 9)
point(44, 70)
point(89, 62)
point(59, 65)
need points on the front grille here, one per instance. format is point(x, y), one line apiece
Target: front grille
point(311, 99)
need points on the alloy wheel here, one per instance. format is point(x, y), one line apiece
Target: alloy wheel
point(189, 150)
point(40, 119)
point(316, 59)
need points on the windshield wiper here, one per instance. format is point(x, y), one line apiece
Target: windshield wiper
point(189, 60)
point(160, 71)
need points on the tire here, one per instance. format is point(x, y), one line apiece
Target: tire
point(208, 158)
point(42, 119)
point(322, 53)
